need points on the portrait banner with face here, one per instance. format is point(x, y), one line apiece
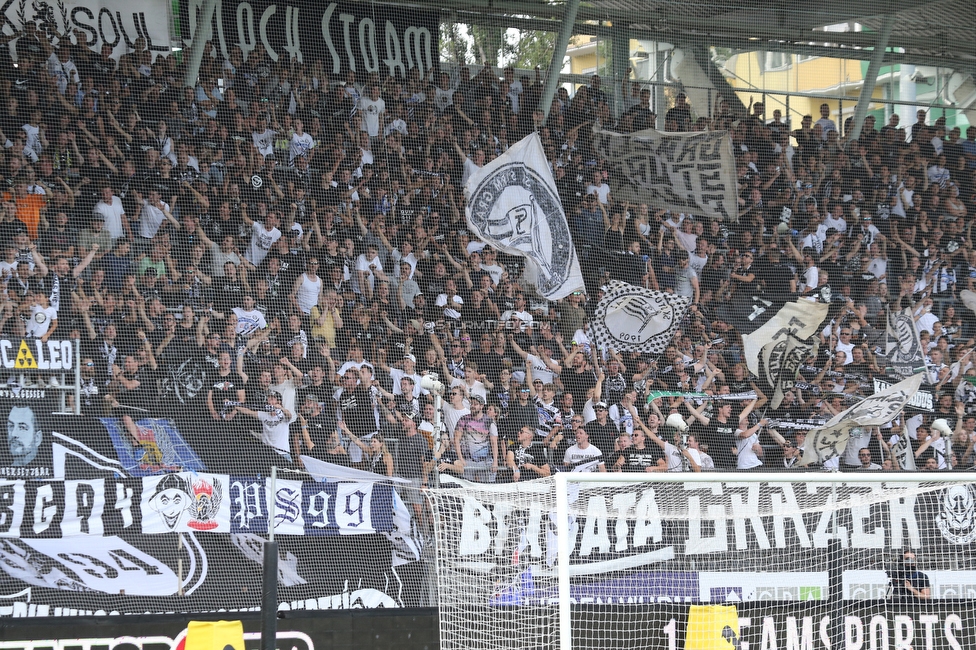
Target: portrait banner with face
point(692, 173)
point(903, 347)
point(635, 319)
point(513, 206)
point(878, 409)
point(27, 452)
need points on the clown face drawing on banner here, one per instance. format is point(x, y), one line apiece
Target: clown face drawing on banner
point(172, 499)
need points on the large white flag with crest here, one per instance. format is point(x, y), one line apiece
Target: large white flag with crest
point(513, 206)
point(775, 351)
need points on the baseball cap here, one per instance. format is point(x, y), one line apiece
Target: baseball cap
point(600, 405)
point(478, 398)
point(411, 357)
point(275, 394)
point(311, 397)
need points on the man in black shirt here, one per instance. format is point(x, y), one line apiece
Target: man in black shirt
point(719, 434)
point(908, 583)
point(778, 279)
point(602, 431)
point(576, 378)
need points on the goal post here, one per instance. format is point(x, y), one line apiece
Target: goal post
point(669, 561)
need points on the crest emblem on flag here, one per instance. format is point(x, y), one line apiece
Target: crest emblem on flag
point(631, 318)
point(513, 206)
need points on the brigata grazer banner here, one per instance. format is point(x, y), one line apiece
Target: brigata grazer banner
point(715, 542)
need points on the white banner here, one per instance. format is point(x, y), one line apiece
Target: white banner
point(636, 319)
point(903, 348)
point(513, 205)
point(97, 22)
point(775, 351)
point(692, 173)
point(920, 400)
point(880, 408)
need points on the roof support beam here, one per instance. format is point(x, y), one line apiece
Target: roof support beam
point(562, 42)
point(199, 43)
point(871, 76)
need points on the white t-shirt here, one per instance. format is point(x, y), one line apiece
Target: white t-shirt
point(443, 99)
point(539, 369)
point(274, 429)
point(249, 322)
point(363, 264)
point(396, 374)
point(151, 219)
point(261, 242)
point(747, 458)
point(860, 438)
point(576, 455)
point(112, 213)
point(264, 142)
point(300, 145)
point(371, 110)
point(454, 309)
point(40, 321)
point(602, 192)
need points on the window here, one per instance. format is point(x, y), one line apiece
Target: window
point(776, 60)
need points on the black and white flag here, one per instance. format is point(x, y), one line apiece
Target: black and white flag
point(903, 348)
point(692, 173)
point(775, 351)
point(513, 206)
point(831, 440)
point(635, 319)
point(903, 452)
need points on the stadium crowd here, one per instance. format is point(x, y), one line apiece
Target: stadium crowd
point(303, 237)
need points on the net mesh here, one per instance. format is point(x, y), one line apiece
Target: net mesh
point(651, 562)
point(235, 244)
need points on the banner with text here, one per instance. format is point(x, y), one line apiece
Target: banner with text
point(96, 22)
point(692, 173)
point(348, 36)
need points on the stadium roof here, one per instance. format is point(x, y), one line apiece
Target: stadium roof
point(924, 32)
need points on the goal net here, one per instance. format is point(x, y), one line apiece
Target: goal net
point(658, 561)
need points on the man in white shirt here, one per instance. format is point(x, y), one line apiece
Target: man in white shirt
point(263, 235)
point(301, 143)
point(748, 449)
point(110, 207)
point(274, 423)
point(826, 124)
point(249, 319)
point(925, 320)
point(154, 212)
point(583, 457)
point(368, 266)
point(43, 318)
point(443, 93)
point(599, 187)
point(373, 110)
point(514, 88)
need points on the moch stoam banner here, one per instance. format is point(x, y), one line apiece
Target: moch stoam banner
point(361, 37)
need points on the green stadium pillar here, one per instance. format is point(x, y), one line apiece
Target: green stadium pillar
point(870, 77)
point(556, 66)
point(200, 38)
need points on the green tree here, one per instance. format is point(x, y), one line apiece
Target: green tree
point(527, 49)
point(454, 44)
point(488, 43)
